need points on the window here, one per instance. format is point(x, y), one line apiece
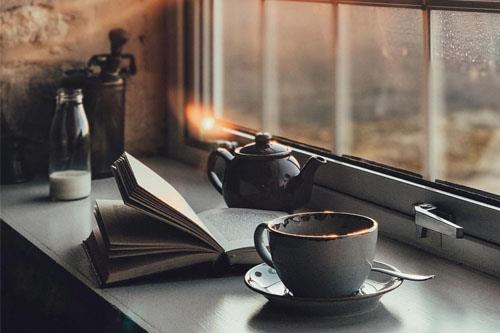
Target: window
point(465, 57)
point(380, 67)
point(400, 96)
point(353, 79)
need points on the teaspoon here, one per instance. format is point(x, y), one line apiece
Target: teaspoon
point(404, 276)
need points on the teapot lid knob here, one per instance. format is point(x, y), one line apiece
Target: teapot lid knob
point(262, 139)
point(263, 148)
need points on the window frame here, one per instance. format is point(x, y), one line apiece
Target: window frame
point(344, 183)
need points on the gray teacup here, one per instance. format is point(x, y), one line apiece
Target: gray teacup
point(321, 254)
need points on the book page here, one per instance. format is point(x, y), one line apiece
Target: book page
point(129, 268)
point(151, 182)
point(110, 270)
point(125, 226)
point(160, 188)
point(146, 191)
point(152, 211)
point(234, 227)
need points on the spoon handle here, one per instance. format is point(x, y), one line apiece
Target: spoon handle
point(405, 276)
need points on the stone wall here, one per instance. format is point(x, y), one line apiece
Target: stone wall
point(41, 39)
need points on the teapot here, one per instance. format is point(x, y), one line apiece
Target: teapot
point(263, 175)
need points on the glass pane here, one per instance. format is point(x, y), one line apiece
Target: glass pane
point(237, 59)
point(465, 59)
point(299, 71)
point(379, 83)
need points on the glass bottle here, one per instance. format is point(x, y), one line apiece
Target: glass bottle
point(69, 165)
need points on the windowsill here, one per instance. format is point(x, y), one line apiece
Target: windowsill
point(458, 299)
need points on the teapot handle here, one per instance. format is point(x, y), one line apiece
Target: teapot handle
point(212, 176)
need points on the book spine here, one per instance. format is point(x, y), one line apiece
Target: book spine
point(85, 247)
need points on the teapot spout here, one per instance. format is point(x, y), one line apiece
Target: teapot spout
point(300, 187)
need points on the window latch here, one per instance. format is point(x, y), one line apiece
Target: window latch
point(428, 216)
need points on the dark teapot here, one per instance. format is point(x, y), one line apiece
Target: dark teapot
point(263, 175)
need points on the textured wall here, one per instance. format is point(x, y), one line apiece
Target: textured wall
point(41, 39)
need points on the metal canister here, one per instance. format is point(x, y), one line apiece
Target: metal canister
point(103, 82)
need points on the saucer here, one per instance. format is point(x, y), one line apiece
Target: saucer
point(264, 280)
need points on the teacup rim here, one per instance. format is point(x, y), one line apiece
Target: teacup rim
point(362, 232)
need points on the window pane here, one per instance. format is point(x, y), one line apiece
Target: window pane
point(237, 58)
point(379, 80)
point(298, 71)
point(279, 67)
point(466, 74)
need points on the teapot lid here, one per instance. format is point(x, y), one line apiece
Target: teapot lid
point(263, 148)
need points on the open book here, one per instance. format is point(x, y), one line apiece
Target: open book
point(156, 230)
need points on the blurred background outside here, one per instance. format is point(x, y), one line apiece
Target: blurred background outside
point(369, 92)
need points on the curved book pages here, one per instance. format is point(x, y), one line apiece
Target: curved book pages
point(154, 229)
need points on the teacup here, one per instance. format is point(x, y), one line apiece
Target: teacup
point(320, 254)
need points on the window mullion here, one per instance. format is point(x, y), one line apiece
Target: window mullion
point(270, 70)
point(436, 107)
point(196, 53)
point(206, 55)
point(218, 57)
point(335, 29)
point(343, 103)
point(429, 148)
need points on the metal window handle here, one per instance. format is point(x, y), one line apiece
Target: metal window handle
point(428, 216)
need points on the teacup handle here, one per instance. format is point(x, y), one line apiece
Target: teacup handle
point(261, 248)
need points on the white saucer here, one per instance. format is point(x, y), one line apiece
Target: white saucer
point(264, 280)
